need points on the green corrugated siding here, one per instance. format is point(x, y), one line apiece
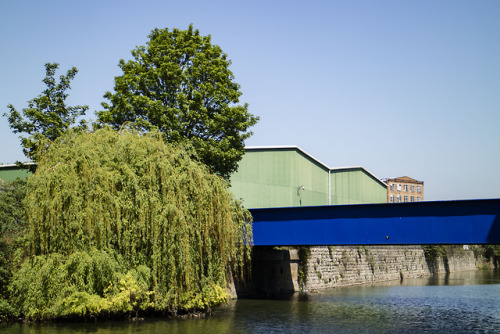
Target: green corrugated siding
point(355, 186)
point(8, 174)
point(271, 177)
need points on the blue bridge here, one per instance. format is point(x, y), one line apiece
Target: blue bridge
point(444, 222)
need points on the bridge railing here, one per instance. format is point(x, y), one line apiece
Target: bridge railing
point(441, 222)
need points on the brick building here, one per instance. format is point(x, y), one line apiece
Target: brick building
point(404, 189)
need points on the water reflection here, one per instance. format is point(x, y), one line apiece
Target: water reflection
point(466, 302)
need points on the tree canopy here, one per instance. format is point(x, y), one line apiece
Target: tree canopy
point(122, 222)
point(47, 116)
point(180, 84)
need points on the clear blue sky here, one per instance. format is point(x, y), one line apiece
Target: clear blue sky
point(399, 87)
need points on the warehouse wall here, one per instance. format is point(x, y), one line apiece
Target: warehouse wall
point(12, 172)
point(271, 178)
point(356, 186)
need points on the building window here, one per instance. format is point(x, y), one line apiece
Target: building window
point(405, 188)
point(399, 187)
point(419, 189)
point(399, 198)
point(393, 186)
point(406, 198)
point(392, 198)
point(412, 188)
point(412, 199)
point(419, 198)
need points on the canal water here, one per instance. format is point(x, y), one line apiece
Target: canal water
point(467, 302)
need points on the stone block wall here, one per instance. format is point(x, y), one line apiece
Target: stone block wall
point(278, 271)
point(332, 266)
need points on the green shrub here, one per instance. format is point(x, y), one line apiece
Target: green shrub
point(304, 253)
point(6, 310)
point(12, 225)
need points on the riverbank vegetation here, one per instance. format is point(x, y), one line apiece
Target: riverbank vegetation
point(489, 254)
point(119, 224)
point(12, 227)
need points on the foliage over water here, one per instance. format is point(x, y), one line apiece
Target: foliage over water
point(119, 223)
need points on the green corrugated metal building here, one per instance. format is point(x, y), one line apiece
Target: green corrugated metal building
point(285, 176)
point(11, 172)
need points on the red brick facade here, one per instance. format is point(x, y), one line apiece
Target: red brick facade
point(404, 189)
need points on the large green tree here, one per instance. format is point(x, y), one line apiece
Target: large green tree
point(47, 116)
point(120, 222)
point(181, 84)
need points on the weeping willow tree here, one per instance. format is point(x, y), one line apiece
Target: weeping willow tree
point(121, 221)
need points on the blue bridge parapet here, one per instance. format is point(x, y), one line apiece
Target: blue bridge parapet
point(442, 222)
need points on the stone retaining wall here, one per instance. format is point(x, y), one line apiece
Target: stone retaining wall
point(279, 271)
point(332, 266)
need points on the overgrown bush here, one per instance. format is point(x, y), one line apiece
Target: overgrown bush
point(11, 228)
point(85, 284)
point(491, 251)
point(120, 222)
point(433, 252)
point(488, 253)
point(304, 253)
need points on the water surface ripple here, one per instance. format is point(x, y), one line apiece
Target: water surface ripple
point(467, 302)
